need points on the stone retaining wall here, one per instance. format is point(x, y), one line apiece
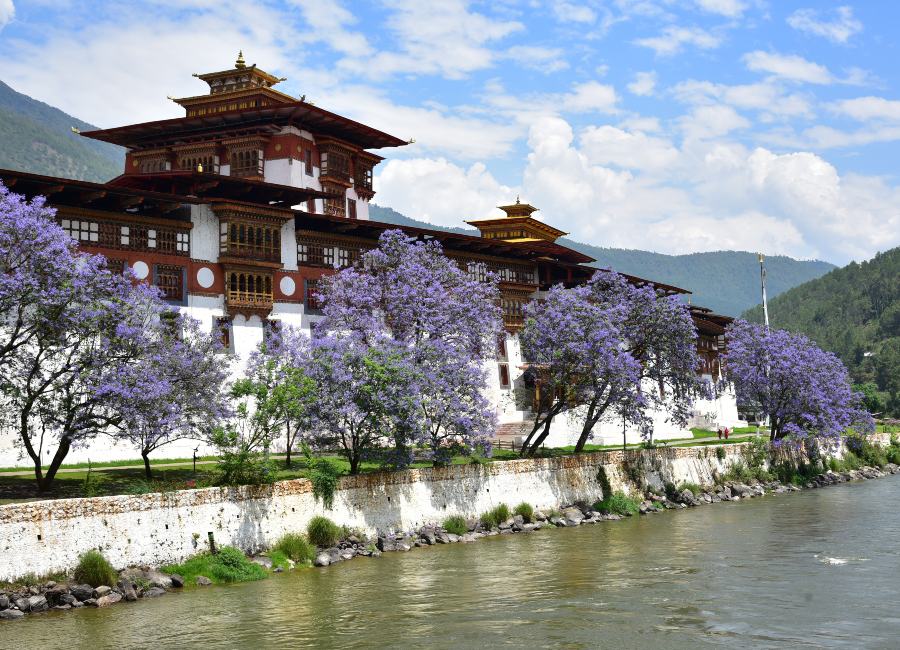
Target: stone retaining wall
point(156, 529)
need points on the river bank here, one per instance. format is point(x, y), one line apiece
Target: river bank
point(146, 583)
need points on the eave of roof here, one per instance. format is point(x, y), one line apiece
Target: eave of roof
point(300, 113)
point(211, 186)
point(532, 251)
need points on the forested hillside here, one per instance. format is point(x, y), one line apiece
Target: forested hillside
point(38, 138)
point(725, 281)
point(854, 312)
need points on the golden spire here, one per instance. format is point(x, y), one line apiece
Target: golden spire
point(240, 63)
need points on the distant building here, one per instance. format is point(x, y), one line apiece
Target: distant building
point(236, 210)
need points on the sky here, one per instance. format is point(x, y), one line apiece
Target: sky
point(675, 126)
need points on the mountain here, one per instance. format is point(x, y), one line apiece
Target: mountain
point(38, 138)
point(854, 312)
point(725, 281)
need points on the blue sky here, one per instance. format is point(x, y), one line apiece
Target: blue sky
point(675, 126)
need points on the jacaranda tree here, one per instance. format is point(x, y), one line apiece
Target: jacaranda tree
point(409, 312)
point(175, 390)
point(803, 390)
point(71, 335)
point(608, 350)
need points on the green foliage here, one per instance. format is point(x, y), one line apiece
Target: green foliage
point(892, 453)
point(757, 452)
point(324, 476)
point(693, 487)
point(496, 516)
point(227, 565)
point(855, 313)
point(93, 569)
point(720, 453)
point(323, 532)
point(618, 503)
point(279, 560)
point(90, 487)
point(868, 452)
point(295, 547)
point(241, 459)
point(456, 524)
point(525, 510)
point(738, 473)
point(797, 474)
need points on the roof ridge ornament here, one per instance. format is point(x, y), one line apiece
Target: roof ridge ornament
point(240, 63)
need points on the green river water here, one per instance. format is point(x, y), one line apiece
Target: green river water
point(819, 568)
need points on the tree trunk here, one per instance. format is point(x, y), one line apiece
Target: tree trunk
point(540, 439)
point(289, 443)
point(145, 454)
point(353, 457)
point(60, 455)
point(590, 419)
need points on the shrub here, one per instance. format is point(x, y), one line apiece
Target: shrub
point(720, 453)
point(893, 451)
point(693, 487)
point(227, 565)
point(296, 548)
point(738, 473)
point(93, 569)
point(324, 476)
point(757, 452)
point(279, 560)
point(525, 511)
point(456, 525)
point(618, 503)
point(323, 532)
point(496, 516)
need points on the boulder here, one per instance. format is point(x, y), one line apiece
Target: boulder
point(427, 535)
point(453, 538)
point(127, 589)
point(37, 604)
point(112, 598)
point(539, 516)
point(156, 592)
point(572, 516)
point(322, 559)
point(22, 603)
point(442, 537)
point(518, 520)
point(11, 615)
point(157, 579)
point(101, 591)
point(62, 608)
point(348, 554)
point(467, 538)
point(527, 528)
point(334, 555)
point(386, 544)
point(82, 592)
point(557, 521)
point(203, 581)
point(741, 490)
point(54, 594)
point(4, 601)
point(178, 581)
point(90, 602)
point(262, 561)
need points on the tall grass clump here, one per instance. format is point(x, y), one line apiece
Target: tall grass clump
point(93, 569)
point(229, 564)
point(323, 532)
point(525, 511)
point(618, 503)
point(456, 524)
point(295, 547)
point(496, 516)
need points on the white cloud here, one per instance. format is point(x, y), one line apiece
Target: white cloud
point(330, 21)
point(590, 96)
point(706, 122)
point(608, 145)
point(542, 59)
point(673, 39)
point(644, 84)
point(7, 12)
point(767, 98)
point(788, 66)
point(868, 108)
point(728, 8)
point(435, 38)
point(842, 26)
point(572, 12)
point(439, 191)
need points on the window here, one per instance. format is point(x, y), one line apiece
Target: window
point(151, 238)
point(125, 235)
point(311, 297)
point(302, 253)
point(351, 209)
point(501, 347)
point(116, 266)
point(170, 280)
point(504, 375)
point(223, 327)
point(329, 257)
point(343, 257)
point(311, 206)
point(307, 161)
point(87, 231)
point(183, 242)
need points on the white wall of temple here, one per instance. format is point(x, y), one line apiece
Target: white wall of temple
point(362, 206)
point(205, 233)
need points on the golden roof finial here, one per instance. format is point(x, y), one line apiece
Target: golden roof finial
point(517, 200)
point(240, 63)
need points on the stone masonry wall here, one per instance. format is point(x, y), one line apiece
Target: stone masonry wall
point(48, 536)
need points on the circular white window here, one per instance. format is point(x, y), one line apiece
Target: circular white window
point(141, 270)
point(287, 286)
point(205, 277)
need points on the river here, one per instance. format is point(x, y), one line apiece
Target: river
point(819, 568)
